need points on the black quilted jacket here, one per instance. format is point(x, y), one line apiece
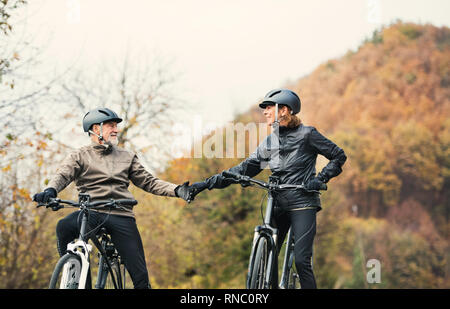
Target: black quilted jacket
point(292, 157)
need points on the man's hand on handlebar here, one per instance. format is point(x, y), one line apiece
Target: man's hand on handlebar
point(52, 203)
point(43, 197)
point(47, 199)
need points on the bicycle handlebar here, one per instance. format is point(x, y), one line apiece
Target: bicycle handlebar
point(54, 203)
point(243, 179)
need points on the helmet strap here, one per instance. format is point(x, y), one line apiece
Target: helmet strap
point(276, 123)
point(276, 114)
point(101, 132)
point(100, 137)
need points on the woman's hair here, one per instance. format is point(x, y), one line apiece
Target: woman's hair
point(292, 120)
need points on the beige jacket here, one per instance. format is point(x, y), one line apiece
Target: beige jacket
point(107, 175)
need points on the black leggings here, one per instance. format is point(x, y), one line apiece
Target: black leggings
point(124, 234)
point(303, 225)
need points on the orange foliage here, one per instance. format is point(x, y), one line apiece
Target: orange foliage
point(388, 106)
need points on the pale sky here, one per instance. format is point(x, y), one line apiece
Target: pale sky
point(228, 53)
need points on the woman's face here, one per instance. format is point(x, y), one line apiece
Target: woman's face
point(269, 113)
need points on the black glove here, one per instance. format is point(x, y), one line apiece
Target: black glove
point(315, 184)
point(184, 191)
point(43, 197)
point(198, 187)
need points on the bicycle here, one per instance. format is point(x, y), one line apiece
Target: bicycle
point(264, 247)
point(72, 271)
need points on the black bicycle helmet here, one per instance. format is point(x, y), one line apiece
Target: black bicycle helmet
point(99, 115)
point(282, 97)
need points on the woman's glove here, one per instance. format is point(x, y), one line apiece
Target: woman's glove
point(315, 184)
point(198, 187)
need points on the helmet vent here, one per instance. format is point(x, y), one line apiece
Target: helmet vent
point(103, 112)
point(276, 92)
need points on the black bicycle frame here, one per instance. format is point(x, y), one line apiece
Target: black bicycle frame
point(84, 205)
point(84, 200)
point(268, 232)
point(288, 260)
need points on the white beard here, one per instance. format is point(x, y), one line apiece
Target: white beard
point(114, 141)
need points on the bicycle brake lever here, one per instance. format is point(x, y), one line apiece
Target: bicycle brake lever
point(57, 207)
point(54, 205)
point(245, 184)
point(234, 180)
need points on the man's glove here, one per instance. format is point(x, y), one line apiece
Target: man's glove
point(184, 191)
point(315, 184)
point(43, 197)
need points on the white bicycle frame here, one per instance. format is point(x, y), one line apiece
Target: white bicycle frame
point(83, 250)
point(80, 247)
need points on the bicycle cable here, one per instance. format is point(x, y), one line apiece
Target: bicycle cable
point(261, 206)
point(98, 226)
point(104, 221)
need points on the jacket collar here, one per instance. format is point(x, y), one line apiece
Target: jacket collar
point(101, 148)
point(286, 130)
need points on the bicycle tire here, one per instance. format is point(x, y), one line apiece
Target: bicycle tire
point(104, 276)
point(118, 274)
point(260, 265)
point(73, 274)
point(293, 281)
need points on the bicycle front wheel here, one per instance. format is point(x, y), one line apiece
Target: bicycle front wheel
point(67, 273)
point(260, 265)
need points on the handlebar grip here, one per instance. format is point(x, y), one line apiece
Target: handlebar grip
point(127, 202)
point(50, 203)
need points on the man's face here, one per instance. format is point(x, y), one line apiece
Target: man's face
point(110, 131)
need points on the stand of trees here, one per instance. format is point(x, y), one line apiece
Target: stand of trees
point(386, 104)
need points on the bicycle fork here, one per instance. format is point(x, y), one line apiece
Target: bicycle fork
point(81, 249)
point(268, 232)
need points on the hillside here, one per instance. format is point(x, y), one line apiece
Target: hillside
point(387, 105)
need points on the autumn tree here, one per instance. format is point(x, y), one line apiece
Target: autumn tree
point(139, 90)
point(387, 105)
